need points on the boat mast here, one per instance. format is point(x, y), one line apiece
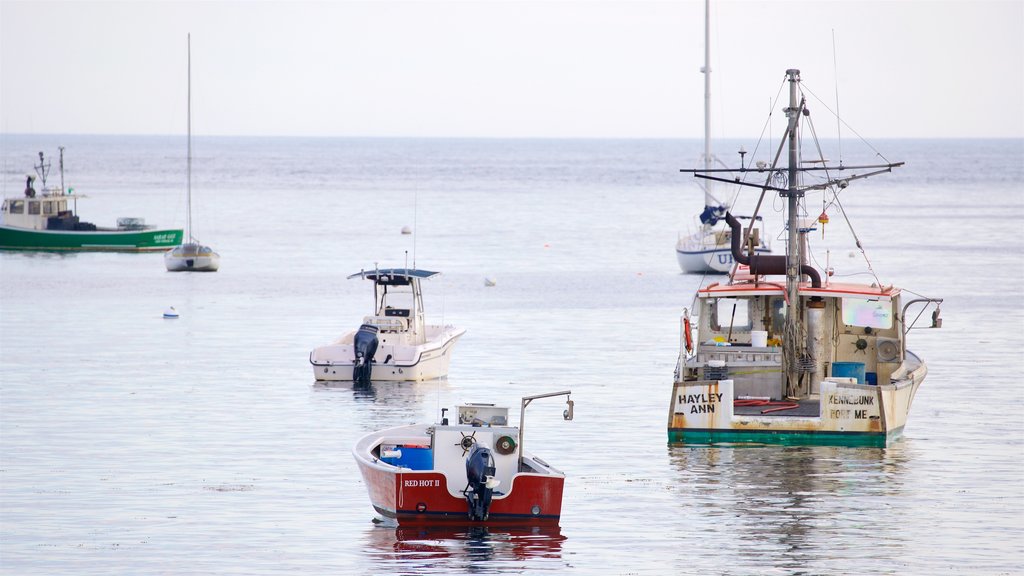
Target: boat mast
point(188, 161)
point(706, 70)
point(709, 199)
point(792, 339)
point(62, 188)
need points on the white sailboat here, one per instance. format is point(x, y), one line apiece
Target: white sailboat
point(191, 255)
point(708, 249)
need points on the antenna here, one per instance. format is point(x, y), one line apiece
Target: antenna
point(43, 169)
point(415, 224)
point(188, 160)
point(835, 73)
point(62, 189)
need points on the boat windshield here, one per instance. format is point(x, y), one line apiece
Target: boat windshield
point(729, 313)
point(867, 313)
point(395, 300)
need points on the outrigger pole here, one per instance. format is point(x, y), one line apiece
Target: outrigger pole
point(796, 359)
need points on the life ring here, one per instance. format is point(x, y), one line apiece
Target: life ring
point(688, 335)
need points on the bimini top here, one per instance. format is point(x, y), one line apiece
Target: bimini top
point(387, 275)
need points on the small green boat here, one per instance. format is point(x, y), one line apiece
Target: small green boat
point(43, 222)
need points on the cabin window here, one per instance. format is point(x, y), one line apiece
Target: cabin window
point(730, 313)
point(33, 207)
point(47, 207)
point(17, 207)
point(778, 315)
point(867, 313)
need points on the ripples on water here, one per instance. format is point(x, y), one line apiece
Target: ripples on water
point(131, 444)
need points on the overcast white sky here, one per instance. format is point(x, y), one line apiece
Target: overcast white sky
point(906, 68)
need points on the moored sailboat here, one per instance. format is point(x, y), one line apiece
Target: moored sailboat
point(801, 360)
point(191, 255)
point(707, 250)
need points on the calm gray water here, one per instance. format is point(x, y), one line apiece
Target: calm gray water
point(134, 445)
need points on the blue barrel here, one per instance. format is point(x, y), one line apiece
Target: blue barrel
point(413, 457)
point(417, 457)
point(849, 370)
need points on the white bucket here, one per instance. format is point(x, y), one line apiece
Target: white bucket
point(758, 339)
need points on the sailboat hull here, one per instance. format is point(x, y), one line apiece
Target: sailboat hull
point(192, 258)
point(702, 253)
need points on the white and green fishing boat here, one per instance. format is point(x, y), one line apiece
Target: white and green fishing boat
point(47, 220)
point(782, 354)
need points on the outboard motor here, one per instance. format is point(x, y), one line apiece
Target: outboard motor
point(480, 474)
point(365, 345)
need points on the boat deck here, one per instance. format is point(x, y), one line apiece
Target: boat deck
point(802, 408)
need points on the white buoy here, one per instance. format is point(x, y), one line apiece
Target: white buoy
point(490, 282)
point(406, 230)
point(171, 313)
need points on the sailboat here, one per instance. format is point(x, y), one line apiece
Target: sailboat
point(708, 249)
point(798, 359)
point(190, 256)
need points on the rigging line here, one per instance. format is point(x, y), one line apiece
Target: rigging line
point(766, 125)
point(843, 122)
point(821, 155)
point(693, 302)
point(857, 240)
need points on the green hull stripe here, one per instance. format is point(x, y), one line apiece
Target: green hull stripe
point(128, 241)
point(786, 437)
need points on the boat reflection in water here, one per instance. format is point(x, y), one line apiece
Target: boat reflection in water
point(467, 544)
point(808, 504)
point(403, 394)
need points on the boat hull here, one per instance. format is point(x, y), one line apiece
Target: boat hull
point(696, 256)
point(433, 496)
point(191, 258)
point(428, 361)
point(12, 238)
point(849, 414)
point(422, 498)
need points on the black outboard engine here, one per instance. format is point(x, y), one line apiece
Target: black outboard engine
point(365, 345)
point(479, 467)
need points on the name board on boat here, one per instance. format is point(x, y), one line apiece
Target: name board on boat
point(702, 402)
point(848, 405)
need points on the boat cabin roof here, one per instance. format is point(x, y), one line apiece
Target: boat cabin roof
point(831, 290)
point(393, 276)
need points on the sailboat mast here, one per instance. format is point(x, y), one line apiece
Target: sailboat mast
point(188, 161)
point(793, 257)
point(707, 86)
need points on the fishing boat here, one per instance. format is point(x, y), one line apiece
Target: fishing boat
point(395, 343)
point(47, 220)
point(474, 471)
point(191, 255)
point(781, 353)
point(707, 250)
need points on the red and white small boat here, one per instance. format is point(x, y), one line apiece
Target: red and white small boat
point(473, 471)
